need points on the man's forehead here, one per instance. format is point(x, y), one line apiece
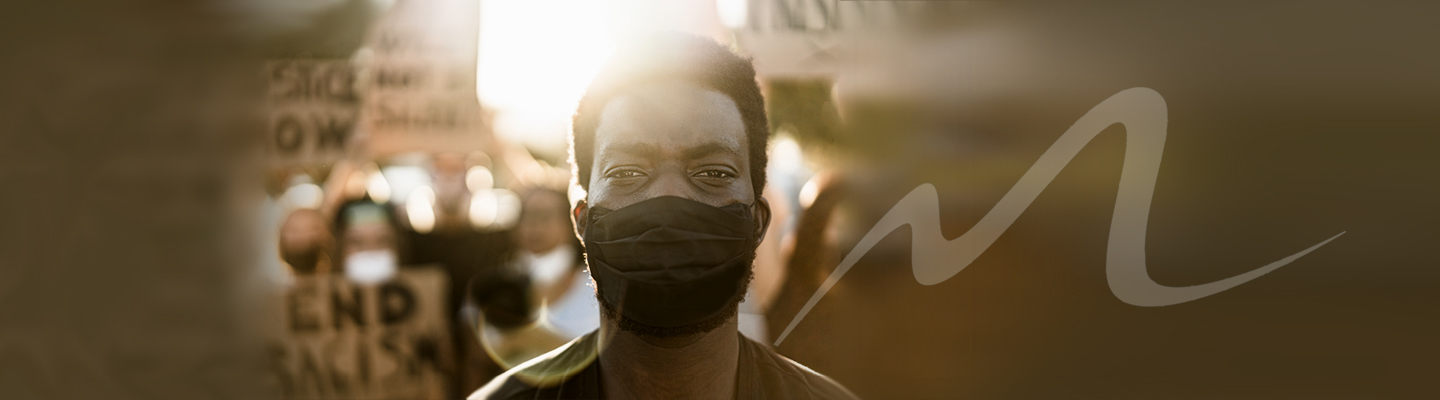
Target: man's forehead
point(670, 116)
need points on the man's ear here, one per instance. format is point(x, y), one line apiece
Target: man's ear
point(762, 218)
point(578, 216)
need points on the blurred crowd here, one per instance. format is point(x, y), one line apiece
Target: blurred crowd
point(396, 273)
point(500, 232)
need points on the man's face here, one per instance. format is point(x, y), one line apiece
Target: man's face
point(670, 139)
point(303, 238)
point(369, 236)
point(543, 224)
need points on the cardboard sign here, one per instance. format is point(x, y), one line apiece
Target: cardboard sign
point(313, 110)
point(804, 38)
point(341, 340)
point(419, 79)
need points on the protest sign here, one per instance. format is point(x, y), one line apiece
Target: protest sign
point(419, 79)
point(313, 109)
point(343, 340)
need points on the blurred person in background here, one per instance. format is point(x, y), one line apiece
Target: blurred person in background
point(306, 242)
point(669, 143)
point(770, 271)
point(369, 241)
point(466, 252)
point(550, 253)
point(504, 311)
point(447, 174)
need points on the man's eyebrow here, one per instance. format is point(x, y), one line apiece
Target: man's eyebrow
point(708, 149)
point(634, 149)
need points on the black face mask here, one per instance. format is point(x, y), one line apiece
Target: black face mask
point(668, 261)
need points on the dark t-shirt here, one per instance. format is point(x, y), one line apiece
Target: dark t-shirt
point(571, 372)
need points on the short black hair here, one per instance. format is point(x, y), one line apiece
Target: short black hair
point(679, 57)
point(345, 217)
point(503, 297)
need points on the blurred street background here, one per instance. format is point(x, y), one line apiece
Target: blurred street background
point(341, 199)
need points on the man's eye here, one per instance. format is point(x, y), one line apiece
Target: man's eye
point(626, 173)
point(714, 173)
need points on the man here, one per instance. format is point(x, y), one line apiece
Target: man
point(549, 252)
point(306, 242)
point(669, 144)
point(369, 241)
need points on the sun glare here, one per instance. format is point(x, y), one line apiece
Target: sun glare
point(536, 58)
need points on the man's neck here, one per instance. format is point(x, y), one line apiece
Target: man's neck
point(700, 366)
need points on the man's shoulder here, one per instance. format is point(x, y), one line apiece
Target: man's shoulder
point(568, 372)
point(775, 376)
point(557, 374)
